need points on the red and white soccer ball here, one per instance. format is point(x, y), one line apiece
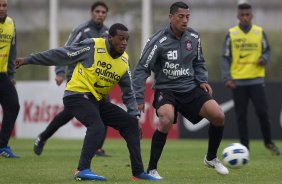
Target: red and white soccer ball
point(235, 156)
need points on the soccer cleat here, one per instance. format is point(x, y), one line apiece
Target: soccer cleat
point(155, 174)
point(273, 149)
point(101, 153)
point(217, 165)
point(87, 174)
point(143, 176)
point(7, 152)
point(38, 145)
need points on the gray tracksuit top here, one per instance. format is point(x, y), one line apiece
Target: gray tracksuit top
point(86, 30)
point(84, 52)
point(178, 65)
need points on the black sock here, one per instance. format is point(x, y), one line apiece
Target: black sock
point(215, 137)
point(157, 145)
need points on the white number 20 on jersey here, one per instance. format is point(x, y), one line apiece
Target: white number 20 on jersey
point(172, 55)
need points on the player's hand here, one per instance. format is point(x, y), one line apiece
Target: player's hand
point(206, 87)
point(59, 79)
point(230, 84)
point(261, 61)
point(13, 81)
point(141, 108)
point(19, 62)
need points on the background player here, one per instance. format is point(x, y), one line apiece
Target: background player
point(246, 52)
point(8, 94)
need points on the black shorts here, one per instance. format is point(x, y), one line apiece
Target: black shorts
point(188, 104)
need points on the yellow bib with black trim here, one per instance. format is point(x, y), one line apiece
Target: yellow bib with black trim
point(100, 78)
point(246, 49)
point(7, 31)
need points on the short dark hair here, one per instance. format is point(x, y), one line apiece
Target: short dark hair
point(244, 6)
point(174, 7)
point(117, 26)
point(99, 3)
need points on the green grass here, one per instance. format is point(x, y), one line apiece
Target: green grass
point(181, 162)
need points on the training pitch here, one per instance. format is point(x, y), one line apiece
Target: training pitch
point(181, 163)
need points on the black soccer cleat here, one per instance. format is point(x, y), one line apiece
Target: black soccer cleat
point(273, 149)
point(38, 145)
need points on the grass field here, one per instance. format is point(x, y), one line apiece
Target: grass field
point(181, 162)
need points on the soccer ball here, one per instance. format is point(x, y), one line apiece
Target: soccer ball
point(235, 156)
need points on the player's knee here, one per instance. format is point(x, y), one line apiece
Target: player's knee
point(262, 113)
point(12, 108)
point(130, 131)
point(16, 107)
point(133, 120)
point(165, 123)
point(97, 129)
point(219, 118)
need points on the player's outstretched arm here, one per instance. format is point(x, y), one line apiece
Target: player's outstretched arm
point(60, 56)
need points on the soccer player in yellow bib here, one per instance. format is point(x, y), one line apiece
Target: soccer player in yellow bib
point(100, 64)
point(8, 94)
point(245, 54)
point(93, 28)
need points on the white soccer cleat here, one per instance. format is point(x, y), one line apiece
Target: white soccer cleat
point(217, 165)
point(155, 174)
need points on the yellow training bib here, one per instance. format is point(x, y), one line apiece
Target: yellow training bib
point(100, 78)
point(7, 32)
point(246, 49)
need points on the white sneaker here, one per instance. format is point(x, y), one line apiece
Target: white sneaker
point(155, 174)
point(217, 165)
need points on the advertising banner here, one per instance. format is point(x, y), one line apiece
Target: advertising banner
point(41, 101)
